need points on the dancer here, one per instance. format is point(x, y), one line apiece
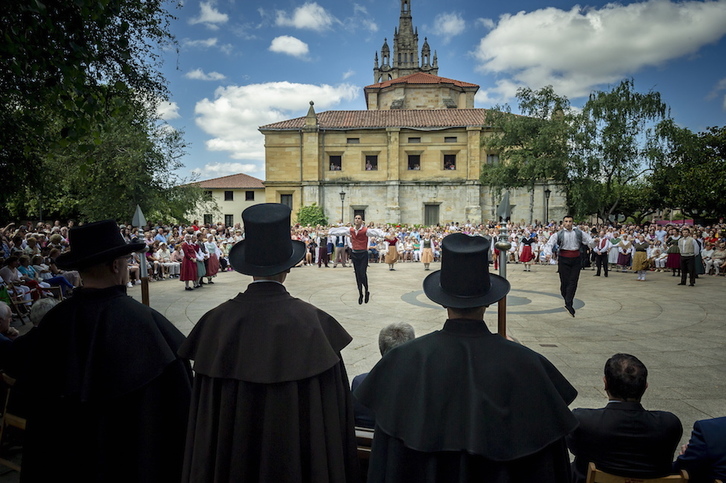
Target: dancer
point(359, 239)
point(569, 240)
point(527, 254)
point(392, 251)
point(427, 251)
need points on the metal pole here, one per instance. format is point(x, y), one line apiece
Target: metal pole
point(503, 246)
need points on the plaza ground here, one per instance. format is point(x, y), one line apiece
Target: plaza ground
point(677, 331)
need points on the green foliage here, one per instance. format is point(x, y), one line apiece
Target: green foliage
point(615, 144)
point(312, 215)
point(691, 172)
point(67, 66)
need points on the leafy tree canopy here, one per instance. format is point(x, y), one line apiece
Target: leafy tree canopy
point(312, 215)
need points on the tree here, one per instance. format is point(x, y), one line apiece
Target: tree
point(691, 172)
point(614, 145)
point(532, 147)
point(130, 160)
point(312, 215)
point(67, 66)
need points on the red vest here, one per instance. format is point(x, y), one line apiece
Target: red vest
point(359, 240)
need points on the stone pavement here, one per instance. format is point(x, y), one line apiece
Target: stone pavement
point(677, 331)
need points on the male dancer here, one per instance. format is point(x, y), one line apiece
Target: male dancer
point(359, 239)
point(601, 249)
point(569, 240)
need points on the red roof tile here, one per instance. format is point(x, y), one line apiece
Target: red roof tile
point(233, 181)
point(402, 118)
point(420, 78)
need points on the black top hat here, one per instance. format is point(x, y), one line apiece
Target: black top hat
point(464, 280)
point(94, 243)
point(267, 248)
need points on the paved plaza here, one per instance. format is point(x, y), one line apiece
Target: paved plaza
point(677, 331)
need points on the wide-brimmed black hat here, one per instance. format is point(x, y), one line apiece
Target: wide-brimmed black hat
point(267, 248)
point(464, 280)
point(94, 243)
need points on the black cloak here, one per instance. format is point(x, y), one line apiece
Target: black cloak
point(463, 404)
point(108, 396)
point(271, 401)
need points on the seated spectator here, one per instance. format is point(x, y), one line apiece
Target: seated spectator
point(71, 275)
point(7, 334)
point(463, 404)
point(719, 257)
point(623, 438)
point(12, 276)
point(704, 457)
point(706, 256)
point(169, 267)
point(390, 336)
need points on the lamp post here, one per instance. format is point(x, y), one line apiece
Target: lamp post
point(342, 206)
point(547, 193)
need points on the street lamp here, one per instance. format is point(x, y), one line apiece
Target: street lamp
point(547, 193)
point(342, 205)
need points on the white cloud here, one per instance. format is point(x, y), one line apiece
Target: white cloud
point(290, 46)
point(720, 86)
point(209, 16)
point(216, 170)
point(310, 16)
point(360, 20)
point(167, 110)
point(201, 43)
point(234, 115)
point(448, 25)
point(577, 50)
point(199, 74)
point(487, 23)
point(349, 73)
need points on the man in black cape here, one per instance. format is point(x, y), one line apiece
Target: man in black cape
point(271, 401)
point(462, 404)
point(108, 397)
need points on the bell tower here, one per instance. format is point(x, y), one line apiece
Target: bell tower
point(405, 58)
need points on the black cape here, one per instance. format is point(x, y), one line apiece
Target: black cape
point(271, 400)
point(469, 404)
point(108, 396)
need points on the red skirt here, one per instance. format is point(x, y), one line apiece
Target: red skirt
point(526, 255)
point(212, 265)
point(674, 260)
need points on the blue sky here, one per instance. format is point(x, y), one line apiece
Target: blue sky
point(245, 63)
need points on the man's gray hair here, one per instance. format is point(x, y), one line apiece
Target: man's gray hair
point(394, 335)
point(5, 310)
point(41, 307)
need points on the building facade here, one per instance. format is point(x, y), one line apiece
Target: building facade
point(414, 156)
point(227, 197)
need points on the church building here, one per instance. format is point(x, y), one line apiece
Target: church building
point(414, 156)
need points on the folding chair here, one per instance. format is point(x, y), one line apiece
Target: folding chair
point(598, 476)
point(8, 419)
point(20, 307)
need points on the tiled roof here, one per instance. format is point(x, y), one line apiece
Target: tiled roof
point(420, 78)
point(233, 181)
point(403, 118)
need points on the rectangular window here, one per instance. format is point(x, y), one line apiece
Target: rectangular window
point(286, 200)
point(208, 219)
point(450, 139)
point(414, 140)
point(353, 140)
point(414, 161)
point(371, 162)
point(449, 161)
point(336, 162)
point(228, 220)
point(229, 196)
point(492, 159)
point(249, 196)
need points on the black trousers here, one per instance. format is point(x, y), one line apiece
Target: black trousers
point(688, 267)
point(569, 270)
point(601, 261)
point(360, 267)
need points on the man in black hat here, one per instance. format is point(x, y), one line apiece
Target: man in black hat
point(271, 401)
point(108, 396)
point(463, 404)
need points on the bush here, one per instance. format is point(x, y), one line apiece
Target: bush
point(312, 215)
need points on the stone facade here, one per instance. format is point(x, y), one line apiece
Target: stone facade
point(415, 156)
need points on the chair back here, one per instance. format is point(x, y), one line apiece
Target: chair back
point(364, 440)
point(595, 475)
point(7, 419)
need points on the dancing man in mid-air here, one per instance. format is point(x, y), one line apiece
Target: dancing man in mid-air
point(359, 235)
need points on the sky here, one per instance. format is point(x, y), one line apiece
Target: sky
point(241, 64)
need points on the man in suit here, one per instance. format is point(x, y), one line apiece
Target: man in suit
point(463, 404)
point(623, 438)
point(390, 336)
point(271, 400)
point(704, 457)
